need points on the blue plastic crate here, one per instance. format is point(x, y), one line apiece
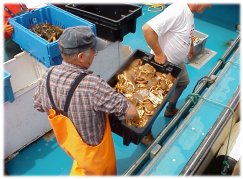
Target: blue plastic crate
point(44, 51)
point(8, 91)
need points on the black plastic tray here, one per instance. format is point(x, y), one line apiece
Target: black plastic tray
point(130, 133)
point(113, 21)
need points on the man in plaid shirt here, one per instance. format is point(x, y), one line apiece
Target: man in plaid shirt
point(91, 100)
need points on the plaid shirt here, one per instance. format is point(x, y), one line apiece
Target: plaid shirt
point(91, 100)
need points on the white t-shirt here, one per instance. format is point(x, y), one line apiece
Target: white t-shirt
point(174, 27)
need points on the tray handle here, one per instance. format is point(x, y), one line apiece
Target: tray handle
point(148, 57)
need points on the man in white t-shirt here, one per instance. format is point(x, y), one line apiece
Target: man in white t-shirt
point(169, 35)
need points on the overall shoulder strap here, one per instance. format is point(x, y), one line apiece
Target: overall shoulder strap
point(23, 9)
point(49, 90)
point(69, 96)
point(71, 91)
point(8, 10)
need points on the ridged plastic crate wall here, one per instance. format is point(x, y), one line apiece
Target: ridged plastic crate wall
point(8, 91)
point(44, 51)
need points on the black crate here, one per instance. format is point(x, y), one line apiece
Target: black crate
point(130, 133)
point(113, 21)
point(61, 6)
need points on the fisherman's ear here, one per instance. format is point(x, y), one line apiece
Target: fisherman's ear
point(80, 56)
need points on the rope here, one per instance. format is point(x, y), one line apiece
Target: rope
point(223, 61)
point(194, 99)
point(233, 63)
point(205, 78)
point(156, 7)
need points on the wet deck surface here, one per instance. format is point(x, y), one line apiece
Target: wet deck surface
point(44, 156)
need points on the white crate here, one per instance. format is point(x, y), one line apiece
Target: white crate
point(25, 70)
point(22, 123)
point(200, 45)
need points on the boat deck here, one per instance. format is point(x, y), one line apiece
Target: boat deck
point(45, 157)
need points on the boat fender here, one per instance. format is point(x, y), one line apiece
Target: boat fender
point(227, 161)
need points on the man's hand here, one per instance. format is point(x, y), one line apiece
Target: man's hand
point(191, 52)
point(8, 29)
point(152, 39)
point(161, 58)
point(131, 112)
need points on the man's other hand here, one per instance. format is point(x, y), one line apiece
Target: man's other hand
point(8, 29)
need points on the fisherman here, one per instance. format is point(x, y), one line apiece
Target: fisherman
point(79, 117)
point(10, 47)
point(169, 35)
